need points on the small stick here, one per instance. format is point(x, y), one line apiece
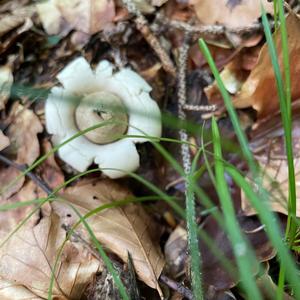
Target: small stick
point(143, 26)
point(176, 286)
point(215, 30)
point(35, 178)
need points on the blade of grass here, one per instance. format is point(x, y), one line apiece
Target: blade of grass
point(268, 218)
point(231, 111)
point(244, 257)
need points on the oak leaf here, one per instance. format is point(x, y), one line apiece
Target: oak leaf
point(121, 229)
point(29, 256)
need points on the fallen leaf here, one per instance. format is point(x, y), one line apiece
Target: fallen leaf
point(175, 252)
point(6, 81)
point(122, 229)
point(269, 150)
point(52, 19)
point(15, 18)
point(4, 141)
point(10, 290)
point(9, 219)
point(230, 13)
point(89, 16)
point(24, 148)
point(259, 90)
point(215, 276)
point(29, 256)
point(23, 134)
point(49, 170)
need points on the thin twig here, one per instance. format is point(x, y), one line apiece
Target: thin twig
point(214, 30)
point(176, 286)
point(143, 26)
point(187, 166)
point(35, 178)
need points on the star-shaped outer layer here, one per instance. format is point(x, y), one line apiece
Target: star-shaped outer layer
point(79, 80)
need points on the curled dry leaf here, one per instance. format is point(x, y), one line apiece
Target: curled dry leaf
point(4, 141)
point(175, 252)
point(29, 256)
point(11, 290)
point(230, 13)
point(6, 81)
point(121, 229)
point(259, 90)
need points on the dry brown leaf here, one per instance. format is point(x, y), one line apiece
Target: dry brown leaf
point(15, 18)
point(4, 141)
point(259, 90)
point(49, 170)
point(122, 230)
point(29, 256)
point(24, 146)
point(10, 290)
point(11, 218)
point(89, 16)
point(23, 134)
point(273, 162)
point(230, 13)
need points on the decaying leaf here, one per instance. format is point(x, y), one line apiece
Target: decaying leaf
point(215, 276)
point(122, 229)
point(52, 19)
point(230, 13)
point(10, 290)
point(6, 81)
point(49, 170)
point(4, 141)
point(24, 147)
point(29, 256)
point(270, 153)
point(259, 90)
point(175, 251)
point(23, 134)
point(11, 218)
point(15, 18)
point(89, 16)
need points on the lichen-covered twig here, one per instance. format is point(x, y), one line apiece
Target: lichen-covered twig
point(213, 30)
point(143, 26)
point(196, 276)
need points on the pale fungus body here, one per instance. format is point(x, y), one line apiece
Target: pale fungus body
point(117, 103)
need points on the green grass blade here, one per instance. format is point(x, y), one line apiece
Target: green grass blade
point(231, 111)
point(285, 108)
point(268, 218)
point(244, 257)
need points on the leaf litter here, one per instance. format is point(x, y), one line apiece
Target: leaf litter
point(37, 41)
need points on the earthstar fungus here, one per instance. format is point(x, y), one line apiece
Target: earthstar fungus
point(120, 101)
